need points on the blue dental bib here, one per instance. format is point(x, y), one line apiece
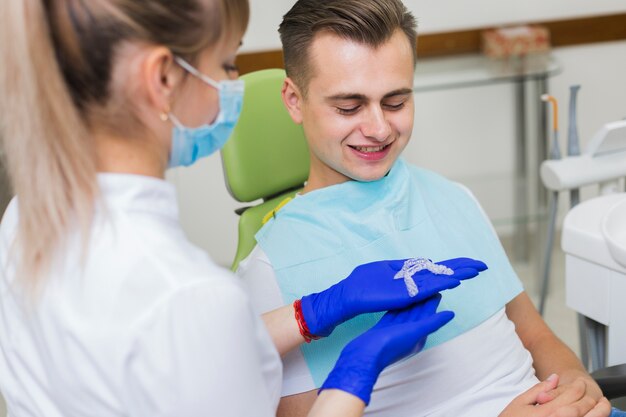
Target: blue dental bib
point(320, 237)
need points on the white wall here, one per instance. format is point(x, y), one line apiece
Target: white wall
point(466, 134)
point(436, 16)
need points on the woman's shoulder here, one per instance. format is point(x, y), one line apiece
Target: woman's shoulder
point(133, 263)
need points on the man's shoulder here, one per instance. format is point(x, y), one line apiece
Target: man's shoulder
point(256, 257)
point(259, 279)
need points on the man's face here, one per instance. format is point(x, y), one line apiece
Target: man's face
point(358, 112)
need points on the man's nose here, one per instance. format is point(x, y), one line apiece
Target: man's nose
point(376, 126)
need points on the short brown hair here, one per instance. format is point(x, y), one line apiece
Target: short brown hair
point(371, 22)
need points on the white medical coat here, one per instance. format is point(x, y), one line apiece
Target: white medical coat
point(148, 325)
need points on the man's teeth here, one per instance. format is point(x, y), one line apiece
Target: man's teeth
point(369, 148)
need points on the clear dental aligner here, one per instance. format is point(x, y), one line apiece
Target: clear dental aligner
point(413, 265)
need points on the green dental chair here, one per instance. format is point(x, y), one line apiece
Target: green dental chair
point(266, 158)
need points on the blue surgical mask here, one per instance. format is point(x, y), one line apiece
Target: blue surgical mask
point(190, 144)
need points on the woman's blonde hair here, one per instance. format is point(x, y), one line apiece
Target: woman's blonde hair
point(56, 59)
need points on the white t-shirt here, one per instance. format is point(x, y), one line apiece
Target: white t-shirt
point(149, 326)
point(475, 374)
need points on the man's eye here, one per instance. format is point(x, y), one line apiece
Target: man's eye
point(394, 106)
point(348, 110)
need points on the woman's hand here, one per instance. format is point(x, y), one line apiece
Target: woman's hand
point(399, 333)
point(372, 287)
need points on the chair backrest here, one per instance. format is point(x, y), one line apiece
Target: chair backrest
point(266, 158)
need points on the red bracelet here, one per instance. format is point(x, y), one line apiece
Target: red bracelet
point(304, 329)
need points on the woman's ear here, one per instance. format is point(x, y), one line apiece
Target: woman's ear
point(293, 100)
point(161, 76)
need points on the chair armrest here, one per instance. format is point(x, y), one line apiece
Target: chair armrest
point(612, 381)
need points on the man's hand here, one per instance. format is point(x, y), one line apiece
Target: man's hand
point(547, 399)
point(591, 388)
point(551, 355)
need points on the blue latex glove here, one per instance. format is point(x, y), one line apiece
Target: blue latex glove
point(372, 287)
point(399, 333)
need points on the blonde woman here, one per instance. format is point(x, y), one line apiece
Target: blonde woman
point(106, 309)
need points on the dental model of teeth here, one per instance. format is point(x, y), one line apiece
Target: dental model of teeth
point(413, 265)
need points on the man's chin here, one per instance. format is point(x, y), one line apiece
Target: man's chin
point(370, 176)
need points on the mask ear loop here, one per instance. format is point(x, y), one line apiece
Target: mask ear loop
point(193, 71)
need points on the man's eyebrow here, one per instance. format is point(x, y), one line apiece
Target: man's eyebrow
point(347, 96)
point(399, 92)
point(362, 97)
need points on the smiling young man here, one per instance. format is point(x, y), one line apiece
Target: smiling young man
point(350, 66)
point(353, 133)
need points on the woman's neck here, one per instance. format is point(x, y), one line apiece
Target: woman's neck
point(130, 155)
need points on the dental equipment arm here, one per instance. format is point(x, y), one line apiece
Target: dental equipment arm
point(604, 160)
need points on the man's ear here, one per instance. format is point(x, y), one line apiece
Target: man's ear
point(293, 100)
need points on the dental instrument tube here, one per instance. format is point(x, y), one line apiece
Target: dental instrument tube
point(573, 146)
point(555, 149)
point(555, 153)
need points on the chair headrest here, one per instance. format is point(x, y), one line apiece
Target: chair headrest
point(267, 152)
